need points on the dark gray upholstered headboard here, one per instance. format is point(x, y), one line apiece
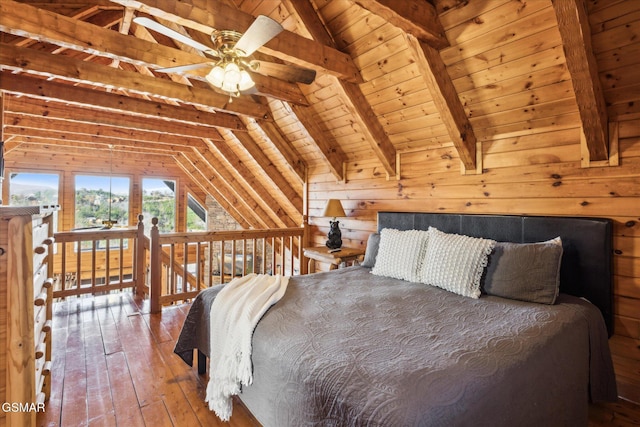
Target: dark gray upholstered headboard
point(586, 269)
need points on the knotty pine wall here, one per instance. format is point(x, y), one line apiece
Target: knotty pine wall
point(507, 62)
point(40, 158)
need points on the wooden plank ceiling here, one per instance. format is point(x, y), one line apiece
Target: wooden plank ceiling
point(80, 74)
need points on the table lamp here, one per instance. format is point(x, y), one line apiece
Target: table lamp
point(334, 209)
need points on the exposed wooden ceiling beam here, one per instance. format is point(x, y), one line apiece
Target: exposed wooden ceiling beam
point(287, 46)
point(270, 170)
point(37, 136)
point(248, 187)
point(44, 64)
point(49, 90)
point(357, 103)
point(69, 33)
point(417, 17)
point(34, 126)
point(190, 165)
point(329, 149)
point(70, 113)
point(280, 142)
point(446, 100)
point(573, 23)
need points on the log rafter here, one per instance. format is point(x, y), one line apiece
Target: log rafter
point(573, 23)
point(142, 51)
point(357, 103)
point(70, 113)
point(77, 71)
point(446, 100)
point(90, 98)
point(416, 17)
point(220, 154)
point(287, 45)
point(185, 162)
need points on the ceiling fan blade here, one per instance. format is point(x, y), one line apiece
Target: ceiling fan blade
point(260, 32)
point(286, 72)
point(159, 28)
point(182, 68)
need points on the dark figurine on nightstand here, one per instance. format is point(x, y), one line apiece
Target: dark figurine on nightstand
point(334, 235)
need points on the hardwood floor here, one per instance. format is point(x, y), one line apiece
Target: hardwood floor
point(113, 365)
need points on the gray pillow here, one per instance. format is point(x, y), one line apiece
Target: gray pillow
point(525, 271)
point(372, 250)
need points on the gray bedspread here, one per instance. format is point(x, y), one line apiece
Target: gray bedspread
point(347, 348)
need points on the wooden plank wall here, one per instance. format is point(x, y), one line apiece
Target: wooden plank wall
point(508, 66)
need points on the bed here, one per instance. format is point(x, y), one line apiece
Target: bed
point(350, 348)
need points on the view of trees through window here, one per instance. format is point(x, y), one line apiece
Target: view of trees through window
point(101, 198)
point(159, 201)
point(196, 215)
point(33, 189)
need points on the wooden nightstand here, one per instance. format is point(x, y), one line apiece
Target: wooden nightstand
point(335, 259)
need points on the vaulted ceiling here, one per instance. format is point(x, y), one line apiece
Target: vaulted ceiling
point(81, 74)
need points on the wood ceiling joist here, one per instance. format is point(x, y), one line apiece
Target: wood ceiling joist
point(328, 147)
point(445, 98)
point(84, 116)
point(573, 23)
point(224, 154)
point(287, 46)
point(265, 86)
point(186, 164)
point(233, 194)
point(434, 72)
point(50, 90)
point(250, 190)
point(283, 146)
point(270, 170)
point(358, 105)
point(29, 124)
point(44, 64)
point(417, 17)
point(62, 141)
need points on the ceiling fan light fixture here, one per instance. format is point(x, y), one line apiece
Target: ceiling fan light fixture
point(230, 76)
point(246, 82)
point(232, 73)
point(216, 76)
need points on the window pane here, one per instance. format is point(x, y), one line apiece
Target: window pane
point(33, 189)
point(196, 215)
point(159, 201)
point(101, 198)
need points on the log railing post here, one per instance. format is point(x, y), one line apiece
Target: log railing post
point(155, 263)
point(304, 242)
point(140, 260)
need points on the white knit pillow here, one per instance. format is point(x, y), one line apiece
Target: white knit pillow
point(455, 262)
point(400, 253)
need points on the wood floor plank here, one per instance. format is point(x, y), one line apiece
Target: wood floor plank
point(156, 415)
point(125, 402)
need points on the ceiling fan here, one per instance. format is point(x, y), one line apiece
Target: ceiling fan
point(232, 52)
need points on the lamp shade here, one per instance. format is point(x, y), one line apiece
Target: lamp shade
point(334, 209)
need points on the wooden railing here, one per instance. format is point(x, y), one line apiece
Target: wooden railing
point(95, 261)
point(168, 267)
point(181, 264)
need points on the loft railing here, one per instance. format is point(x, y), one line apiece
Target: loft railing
point(168, 267)
point(181, 264)
point(97, 261)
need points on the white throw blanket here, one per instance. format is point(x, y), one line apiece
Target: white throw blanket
point(235, 312)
